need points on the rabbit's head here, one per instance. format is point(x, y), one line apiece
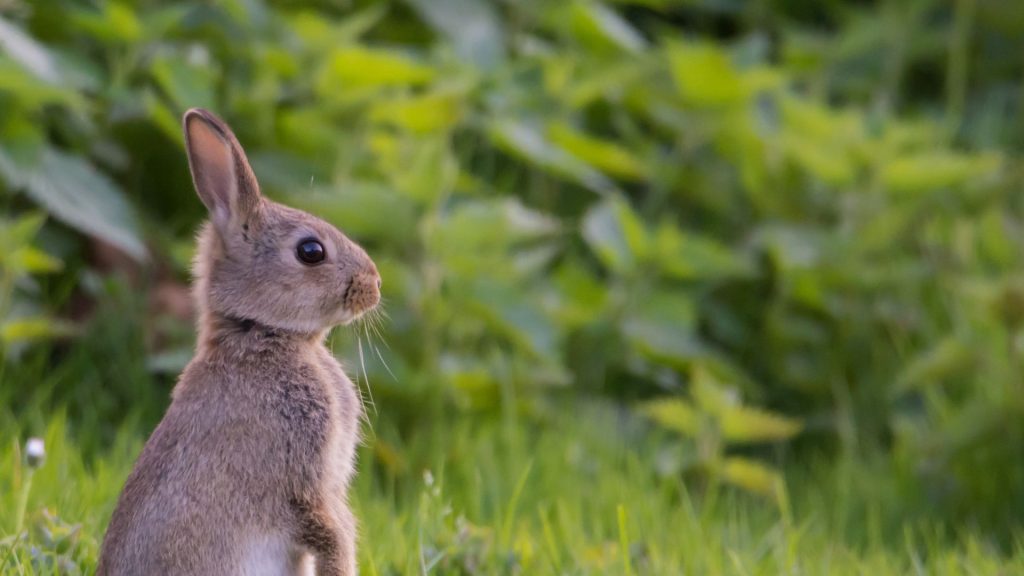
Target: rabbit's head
point(264, 262)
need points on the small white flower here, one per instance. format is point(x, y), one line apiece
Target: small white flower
point(428, 478)
point(35, 452)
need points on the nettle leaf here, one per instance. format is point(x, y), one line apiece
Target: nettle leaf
point(674, 414)
point(74, 192)
point(114, 22)
point(750, 475)
point(742, 424)
point(366, 210)
point(512, 312)
point(688, 256)
point(529, 144)
point(937, 170)
point(31, 55)
point(32, 329)
point(322, 34)
point(949, 358)
point(711, 395)
point(419, 114)
point(472, 26)
point(830, 164)
point(704, 75)
point(605, 155)
point(429, 170)
point(581, 296)
point(616, 234)
point(662, 327)
point(21, 231)
point(188, 85)
point(473, 379)
point(27, 259)
point(601, 27)
point(361, 67)
point(477, 234)
point(32, 91)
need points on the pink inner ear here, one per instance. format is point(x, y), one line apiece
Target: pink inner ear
point(211, 150)
point(216, 167)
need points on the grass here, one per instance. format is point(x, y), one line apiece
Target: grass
point(568, 487)
point(576, 494)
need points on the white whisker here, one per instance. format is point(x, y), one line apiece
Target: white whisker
point(362, 397)
point(386, 367)
point(366, 377)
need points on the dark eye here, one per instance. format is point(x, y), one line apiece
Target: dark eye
point(310, 251)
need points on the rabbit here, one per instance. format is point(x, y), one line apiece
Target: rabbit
point(248, 471)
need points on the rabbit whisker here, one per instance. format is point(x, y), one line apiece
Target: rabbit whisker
point(366, 377)
point(364, 413)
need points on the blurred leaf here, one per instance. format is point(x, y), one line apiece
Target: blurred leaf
point(704, 75)
point(662, 326)
point(480, 234)
point(937, 170)
point(323, 33)
point(711, 395)
point(616, 234)
point(473, 381)
point(30, 260)
point(601, 27)
point(527, 143)
point(750, 475)
point(114, 22)
point(605, 155)
point(80, 196)
point(429, 113)
point(746, 424)
point(511, 312)
point(160, 114)
point(829, 164)
point(21, 141)
point(949, 358)
point(792, 247)
point(32, 91)
point(188, 85)
point(163, 21)
point(365, 210)
point(582, 296)
point(674, 414)
point(427, 169)
point(169, 362)
point(31, 55)
point(472, 26)
point(353, 67)
point(688, 256)
point(31, 329)
point(21, 231)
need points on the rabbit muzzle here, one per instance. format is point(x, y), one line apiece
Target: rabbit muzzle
point(363, 293)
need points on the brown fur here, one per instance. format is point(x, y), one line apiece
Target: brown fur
point(247, 472)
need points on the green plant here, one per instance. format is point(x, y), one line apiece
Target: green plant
point(21, 321)
point(579, 200)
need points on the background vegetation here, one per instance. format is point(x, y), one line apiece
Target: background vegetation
point(699, 286)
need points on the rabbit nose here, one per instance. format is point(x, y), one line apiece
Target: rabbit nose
point(379, 282)
point(363, 292)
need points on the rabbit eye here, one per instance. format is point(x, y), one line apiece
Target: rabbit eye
point(310, 251)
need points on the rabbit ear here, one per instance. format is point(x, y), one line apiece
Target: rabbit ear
point(220, 171)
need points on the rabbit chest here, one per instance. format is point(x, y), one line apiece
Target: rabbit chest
point(318, 408)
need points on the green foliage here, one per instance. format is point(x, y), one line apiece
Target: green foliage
point(485, 496)
point(760, 224)
point(21, 320)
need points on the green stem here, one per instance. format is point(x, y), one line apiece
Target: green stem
point(956, 70)
point(19, 520)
